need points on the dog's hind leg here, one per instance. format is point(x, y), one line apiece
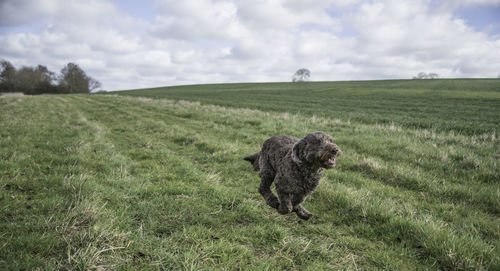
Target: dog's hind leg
point(267, 177)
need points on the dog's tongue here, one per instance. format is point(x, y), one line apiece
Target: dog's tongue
point(331, 161)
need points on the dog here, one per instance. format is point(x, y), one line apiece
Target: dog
point(295, 166)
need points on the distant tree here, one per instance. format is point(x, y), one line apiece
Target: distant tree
point(301, 75)
point(39, 80)
point(45, 80)
point(7, 76)
point(94, 84)
point(36, 80)
point(74, 80)
point(25, 80)
point(421, 75)
point(433, 75)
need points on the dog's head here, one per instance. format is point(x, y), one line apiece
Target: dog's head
point(316, 149)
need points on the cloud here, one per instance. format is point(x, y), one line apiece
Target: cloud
point(14, 13)
point(455, 4)
point(197, 19)
point(415, 37)
point(207, 41)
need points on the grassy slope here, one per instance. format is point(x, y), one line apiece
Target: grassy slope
point(132, 183)
point(467, 106)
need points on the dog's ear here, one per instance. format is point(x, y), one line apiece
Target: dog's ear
point(298, 151)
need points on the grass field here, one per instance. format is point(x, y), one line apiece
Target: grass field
point(132, 183)
point(467, 106)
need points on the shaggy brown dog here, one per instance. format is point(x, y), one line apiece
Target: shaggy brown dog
point(295, 166)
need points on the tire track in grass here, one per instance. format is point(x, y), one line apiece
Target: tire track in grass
point(432, 230)
point(97, 195)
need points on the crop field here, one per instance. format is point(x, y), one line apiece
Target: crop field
point(122, 182)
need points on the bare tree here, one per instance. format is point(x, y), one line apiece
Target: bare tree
point(301, 75)
point(94, 84)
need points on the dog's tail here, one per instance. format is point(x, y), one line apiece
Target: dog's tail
point(254, 160)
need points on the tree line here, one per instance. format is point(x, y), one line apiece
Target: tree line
point(40, 80)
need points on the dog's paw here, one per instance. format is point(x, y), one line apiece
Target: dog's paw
point(284, 209)
point(303, 214)
point(273, 202)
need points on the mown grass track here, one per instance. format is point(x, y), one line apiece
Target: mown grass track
point(116, 182)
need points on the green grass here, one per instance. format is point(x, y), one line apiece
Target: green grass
point(466, 106)
point(130, 183)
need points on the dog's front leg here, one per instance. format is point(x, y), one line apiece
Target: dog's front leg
point(285, 203)
point(302, 212)
point(298, 208)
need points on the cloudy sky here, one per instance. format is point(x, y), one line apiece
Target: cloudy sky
point(129, 44)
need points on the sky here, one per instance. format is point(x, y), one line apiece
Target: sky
point(128, 44)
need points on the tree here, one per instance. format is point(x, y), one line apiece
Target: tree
point(36, 80)
point(301, 75)
point(7, 76)
point(74, 80)
point(94, 84)
point(44, 80)
point(39, 80)
point(433, 75)
point(421, 75)
point(25, 81)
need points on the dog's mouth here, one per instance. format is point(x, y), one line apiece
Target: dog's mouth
point(329, 163)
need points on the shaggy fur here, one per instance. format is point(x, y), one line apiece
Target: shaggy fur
point(295, 166)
